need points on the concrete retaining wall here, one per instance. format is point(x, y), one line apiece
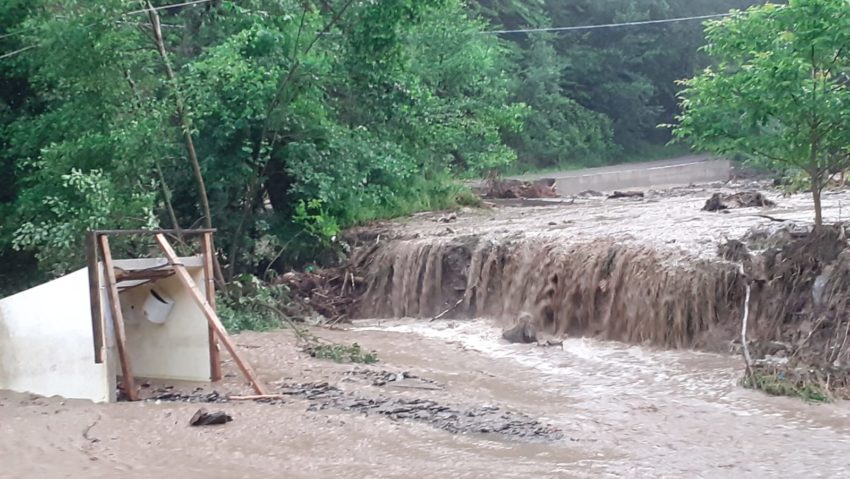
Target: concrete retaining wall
point(643, 177)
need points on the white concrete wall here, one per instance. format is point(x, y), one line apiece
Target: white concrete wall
point(644, 177)
point(177, 349)
point(46, 343)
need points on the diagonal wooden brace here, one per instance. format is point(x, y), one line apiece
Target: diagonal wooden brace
point(212, 318)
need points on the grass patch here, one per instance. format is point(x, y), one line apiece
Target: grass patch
point(251, 305)
point(781, 383)
point(342, 353)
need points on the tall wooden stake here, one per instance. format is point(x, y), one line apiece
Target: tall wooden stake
point(94, 297)
point(118, 321)
point(215, 354)
point(212, 318)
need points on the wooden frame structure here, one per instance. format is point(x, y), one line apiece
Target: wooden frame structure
point(98, 248)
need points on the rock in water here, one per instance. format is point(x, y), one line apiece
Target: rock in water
point(206, 418)
point(523, 332)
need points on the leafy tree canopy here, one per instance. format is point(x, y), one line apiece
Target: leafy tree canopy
point(780, 90)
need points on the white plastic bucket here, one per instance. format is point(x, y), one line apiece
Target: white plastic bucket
point(157, 306)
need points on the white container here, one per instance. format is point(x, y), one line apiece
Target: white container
point(157, 307)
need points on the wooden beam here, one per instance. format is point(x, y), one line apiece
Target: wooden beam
point(209, 277)
point(212, 318)
point(94, 297)
point(118, 320)
point(193, 232)
point(151, 274)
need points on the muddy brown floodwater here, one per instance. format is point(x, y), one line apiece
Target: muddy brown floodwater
point(617, 410)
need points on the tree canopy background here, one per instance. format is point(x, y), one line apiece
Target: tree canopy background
point(308, 116)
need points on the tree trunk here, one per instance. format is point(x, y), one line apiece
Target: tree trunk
point(816, 190)
point(187, 133)
point(181, 114)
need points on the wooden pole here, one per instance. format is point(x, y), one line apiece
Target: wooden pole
point(118, 320)
point(94, 297)
point(209, 277)
point(212, 318)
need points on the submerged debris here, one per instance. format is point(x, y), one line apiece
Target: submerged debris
point(625, 194)
point(743, 199)
point(383, 378)
point(169, 394)
point(589, 193)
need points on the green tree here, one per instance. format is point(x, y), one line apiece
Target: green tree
point(780, 91)
point(557, 131)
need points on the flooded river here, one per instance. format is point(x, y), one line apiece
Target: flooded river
point(624, 411)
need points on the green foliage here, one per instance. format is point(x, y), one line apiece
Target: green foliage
point(777, 384)
point(558, 131)
point(307, 116)
point(251, 305)
point(779, 93)
point(342, 353)
point(316, 221)
point(597, 95)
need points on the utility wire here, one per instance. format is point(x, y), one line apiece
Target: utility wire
point(167, 7)
point(21, 50)
point(164, 7)
point(607, 25)
point(12, 34)
point(492, 32)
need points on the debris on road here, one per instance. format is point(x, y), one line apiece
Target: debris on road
point(516, 189)
point(743, 199)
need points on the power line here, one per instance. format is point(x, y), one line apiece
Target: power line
point(167, 7)
point(494, 32)
point(607, 25)
point(164, 7)
point(12, 34)
point(20, 50)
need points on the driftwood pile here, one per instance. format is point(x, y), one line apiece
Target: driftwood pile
point(328, 292)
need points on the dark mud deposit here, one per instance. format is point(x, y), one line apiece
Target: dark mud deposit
point(456, 420)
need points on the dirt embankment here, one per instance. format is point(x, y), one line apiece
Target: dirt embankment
point(655, 270)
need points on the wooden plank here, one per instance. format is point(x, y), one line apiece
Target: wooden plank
point(151, 274)
point(118, 320)
point(191, 232)
point(94, 297)
point(212, 318)
point(209, 277)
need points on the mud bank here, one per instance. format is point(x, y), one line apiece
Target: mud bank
point(656, 270)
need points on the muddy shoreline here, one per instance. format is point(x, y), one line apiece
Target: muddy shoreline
point(624, 411)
